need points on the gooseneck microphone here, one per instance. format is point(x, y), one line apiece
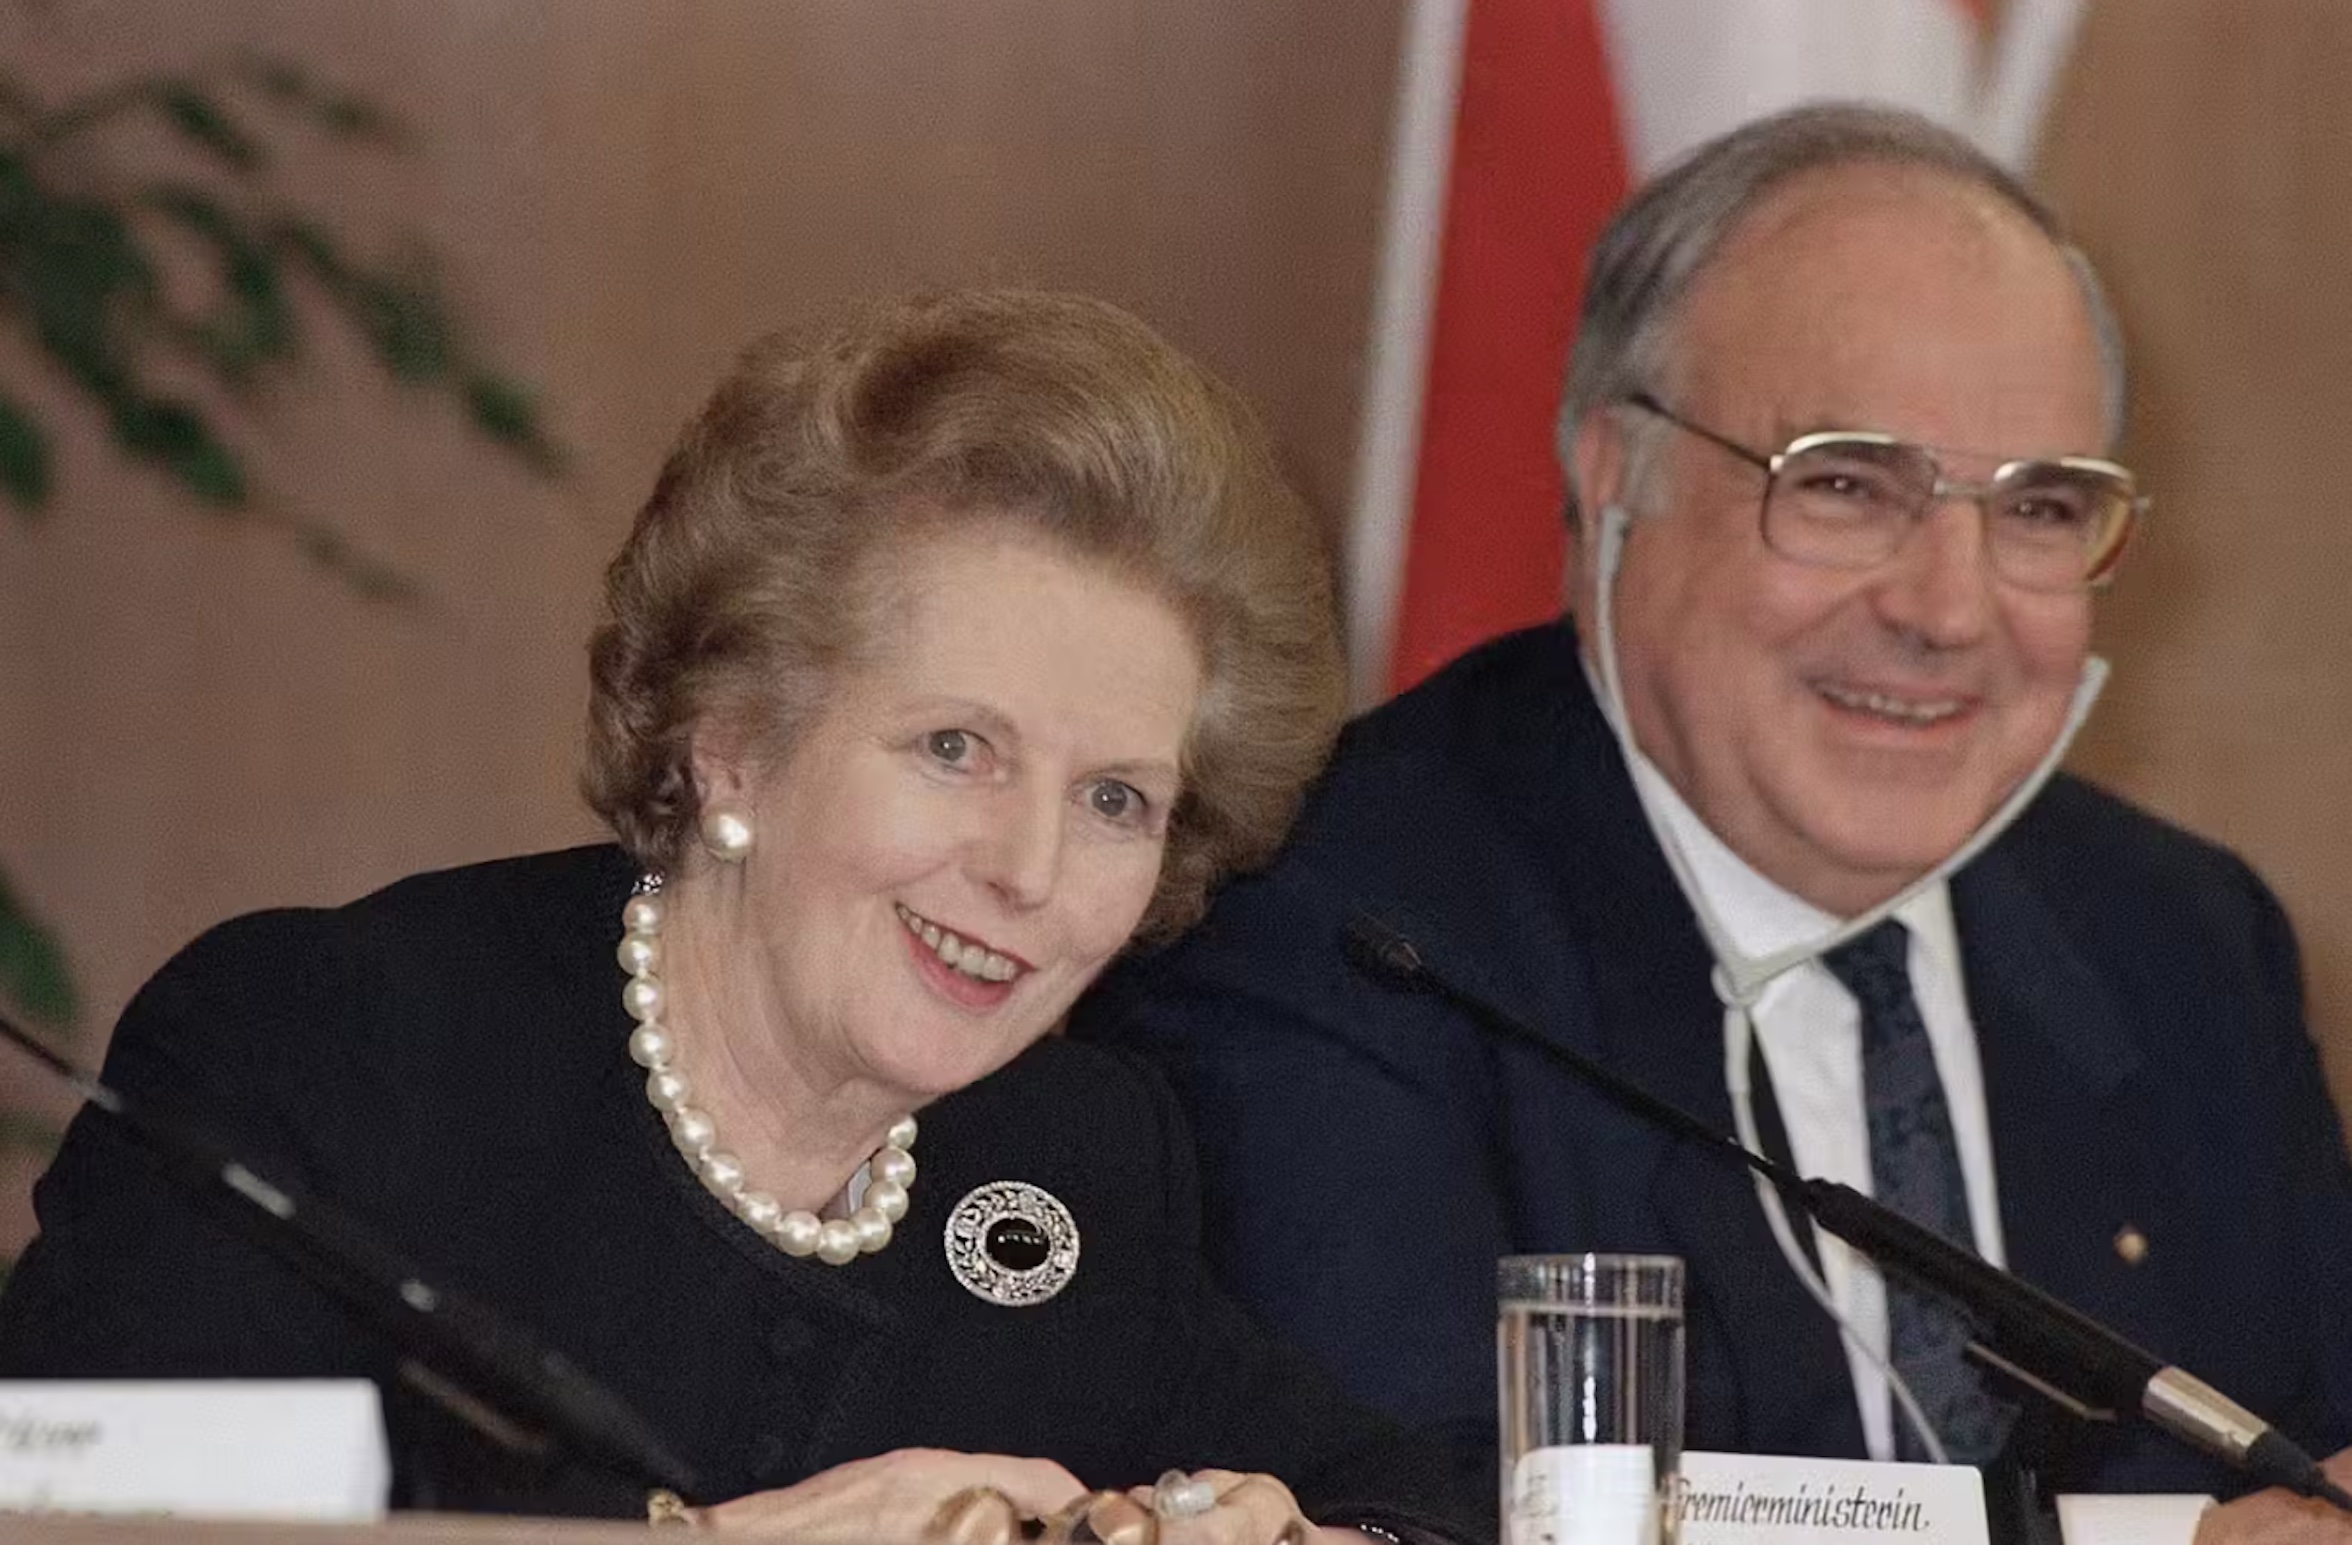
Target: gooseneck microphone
point(492, 1374)
point(2046, 1344)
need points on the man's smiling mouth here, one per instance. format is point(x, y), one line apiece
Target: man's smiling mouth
point(1919, 711)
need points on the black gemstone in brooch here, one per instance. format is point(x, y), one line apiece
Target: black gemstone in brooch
point(1012, 1243)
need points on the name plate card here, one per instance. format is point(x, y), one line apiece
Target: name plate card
point(2167, 1519)
point(1759, 1499)
point(253, 1448)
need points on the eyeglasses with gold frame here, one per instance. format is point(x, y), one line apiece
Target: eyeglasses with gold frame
point(1850, 499)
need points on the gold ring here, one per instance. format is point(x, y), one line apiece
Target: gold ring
point(977, 1515)
point(665, 1509)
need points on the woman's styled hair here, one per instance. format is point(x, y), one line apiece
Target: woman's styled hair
point(755, 571)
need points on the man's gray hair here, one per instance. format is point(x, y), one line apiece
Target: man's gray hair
point(1644, 263)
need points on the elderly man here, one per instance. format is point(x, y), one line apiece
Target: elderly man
point(1779, 814)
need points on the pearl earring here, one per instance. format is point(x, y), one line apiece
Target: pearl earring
point(726, 835)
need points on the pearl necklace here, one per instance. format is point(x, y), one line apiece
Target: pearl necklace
point(835, 1241)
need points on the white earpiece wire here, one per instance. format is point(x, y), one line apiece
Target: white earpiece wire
point(1738, 1030)
point(1740, 981)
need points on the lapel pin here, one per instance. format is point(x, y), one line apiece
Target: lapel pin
point(2131, 1244)
point(1012, 1243)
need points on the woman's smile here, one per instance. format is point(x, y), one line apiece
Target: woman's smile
point(972, 957)
point(966, 971)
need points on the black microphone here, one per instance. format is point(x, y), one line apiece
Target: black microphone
point(475, 1364)
point(2046, 1344)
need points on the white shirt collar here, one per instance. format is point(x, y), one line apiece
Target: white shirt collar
point(1762, 917)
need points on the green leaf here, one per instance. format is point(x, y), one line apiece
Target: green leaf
point(85, 281)
point(402, 317)
point(21, 198)
point(228, 347)
point(28, 1134)
point(33, 973)
point(280, 79)
point(91, 112)
point(255, 323)
point(83, 243)
point(196, 210)
point(203, 120)
point(317, 249)
point(506, 412)
point(356, 118)
point(24, 458)
point(15, 101)
point(175, 436)
point(371, 578)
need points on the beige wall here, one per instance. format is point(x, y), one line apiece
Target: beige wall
point(193, 722)
point(2203, 149)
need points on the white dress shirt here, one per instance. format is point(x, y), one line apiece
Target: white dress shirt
point(1810, 1029)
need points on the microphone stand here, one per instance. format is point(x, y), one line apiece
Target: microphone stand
point(491, 1374)
point(2046, 1344)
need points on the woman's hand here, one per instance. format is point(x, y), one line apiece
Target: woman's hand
point(1249, 1510)
point(935, 1497)
point(898, 1498)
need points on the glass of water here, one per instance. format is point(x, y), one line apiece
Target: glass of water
point(1589, 1368)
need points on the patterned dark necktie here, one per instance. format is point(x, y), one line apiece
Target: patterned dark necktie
point(1915, 1169)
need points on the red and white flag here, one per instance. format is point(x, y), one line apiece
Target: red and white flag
point(1520, 124)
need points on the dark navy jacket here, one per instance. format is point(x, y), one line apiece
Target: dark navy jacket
point(445, 1058)
point(1367, 1155)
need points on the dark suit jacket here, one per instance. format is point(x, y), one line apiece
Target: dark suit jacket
point(446, 1059)
point(1366, 1156)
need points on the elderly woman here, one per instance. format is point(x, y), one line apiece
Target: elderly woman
point(954, 650)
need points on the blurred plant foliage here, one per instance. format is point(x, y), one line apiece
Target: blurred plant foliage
point(97, 256)
point(33, 977)
point(34, 983)
point(95, 251)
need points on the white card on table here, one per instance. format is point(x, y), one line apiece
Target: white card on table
point(2168, 1519)
point(302, 1449)
point(1762, 1499)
